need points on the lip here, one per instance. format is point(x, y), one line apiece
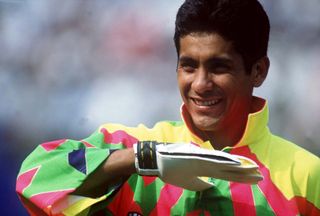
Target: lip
point(206, 102)
point(212, 106)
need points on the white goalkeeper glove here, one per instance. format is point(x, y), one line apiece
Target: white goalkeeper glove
point(184, 164)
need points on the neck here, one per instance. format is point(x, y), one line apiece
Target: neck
point(228, 136)
point(231, 133)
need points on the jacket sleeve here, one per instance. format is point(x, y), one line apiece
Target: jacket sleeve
point(55, 169)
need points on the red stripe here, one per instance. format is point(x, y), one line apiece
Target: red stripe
point(87, 144)
point(118, 137)
point(195, 213)
point(305, 207)
point(206, 213)
point(123, 202)
point(198, 213)
point(32, 209)
point(50, 146)
point(148, 180)
point(275, 198)
point(169, 196)
point(242, 199)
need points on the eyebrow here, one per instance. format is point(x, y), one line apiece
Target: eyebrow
point(212, 60)
point(187, 59)
point(215, 60)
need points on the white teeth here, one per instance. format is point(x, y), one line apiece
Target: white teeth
point(206, 103)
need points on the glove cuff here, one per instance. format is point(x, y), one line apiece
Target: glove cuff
point(146, 158)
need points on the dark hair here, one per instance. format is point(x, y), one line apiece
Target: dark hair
point(243, 22)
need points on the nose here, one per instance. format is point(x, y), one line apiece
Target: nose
point(202, 82)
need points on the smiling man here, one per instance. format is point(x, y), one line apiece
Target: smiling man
point(221, 159)
point(215, 86)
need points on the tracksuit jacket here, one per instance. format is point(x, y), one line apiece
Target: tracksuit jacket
point(291, 184)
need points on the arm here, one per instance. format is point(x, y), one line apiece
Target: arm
point(118, 167)
point(55, 170)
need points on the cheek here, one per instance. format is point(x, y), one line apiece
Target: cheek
point(183, 84)
point(226, 83)
point(234, 86)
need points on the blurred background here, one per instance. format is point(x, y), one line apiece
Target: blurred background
point(68, 66)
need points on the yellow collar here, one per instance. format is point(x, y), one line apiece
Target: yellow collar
point(256, 125)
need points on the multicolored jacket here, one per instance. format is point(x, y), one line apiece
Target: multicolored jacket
point(291, 184)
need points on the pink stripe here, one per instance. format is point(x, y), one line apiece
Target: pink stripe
point(275, 198)
point(25, 179)
point(87, 144)
point(118, 137)
point(46, 199)
point(169, 196)
point(49, 146)
point(242, 199)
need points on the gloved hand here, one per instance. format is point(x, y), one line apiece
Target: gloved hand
point(184, 164)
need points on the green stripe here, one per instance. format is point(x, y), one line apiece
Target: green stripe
point(186, 203)
point(94, 158)
point(32, 160)
point(261, 203)
point(216, 200)
point(145, 196)
point(61, 174)
point(96, 139)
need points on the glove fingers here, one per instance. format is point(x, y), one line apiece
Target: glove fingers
point(187, 166)
point(249, 174)
point(239, 169)
point(192, 151)
point(182, 168)
point(252, 178)
point(205, 166)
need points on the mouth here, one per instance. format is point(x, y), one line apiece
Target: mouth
point(206, 103)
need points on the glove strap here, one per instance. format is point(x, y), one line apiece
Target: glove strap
point(146, 157)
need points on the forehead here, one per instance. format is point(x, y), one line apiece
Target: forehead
point(205, 45)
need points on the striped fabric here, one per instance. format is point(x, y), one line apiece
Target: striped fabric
point(291, 184)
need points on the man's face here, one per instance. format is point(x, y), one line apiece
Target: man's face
point(213, 82)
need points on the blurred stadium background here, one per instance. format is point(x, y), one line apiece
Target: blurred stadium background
point(68, 66)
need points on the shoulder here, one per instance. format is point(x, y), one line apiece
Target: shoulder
point(287, 160)
point(157, 126)
point(294, 170)
point(160, 131)
point(303, 164)
point(298, 153)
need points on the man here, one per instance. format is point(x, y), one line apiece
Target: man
point(222, 56)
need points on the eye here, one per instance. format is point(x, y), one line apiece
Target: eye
point(222, 66)
point(219, 67)
point(187, 64)
point(187, 68)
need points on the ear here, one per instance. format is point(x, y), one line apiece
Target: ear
point(259, 71)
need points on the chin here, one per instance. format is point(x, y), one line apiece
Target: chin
point(207, 124)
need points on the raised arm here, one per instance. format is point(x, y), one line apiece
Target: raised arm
point(116, 169)
point(57, 171)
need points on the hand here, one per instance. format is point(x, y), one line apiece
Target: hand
point(184, 164)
